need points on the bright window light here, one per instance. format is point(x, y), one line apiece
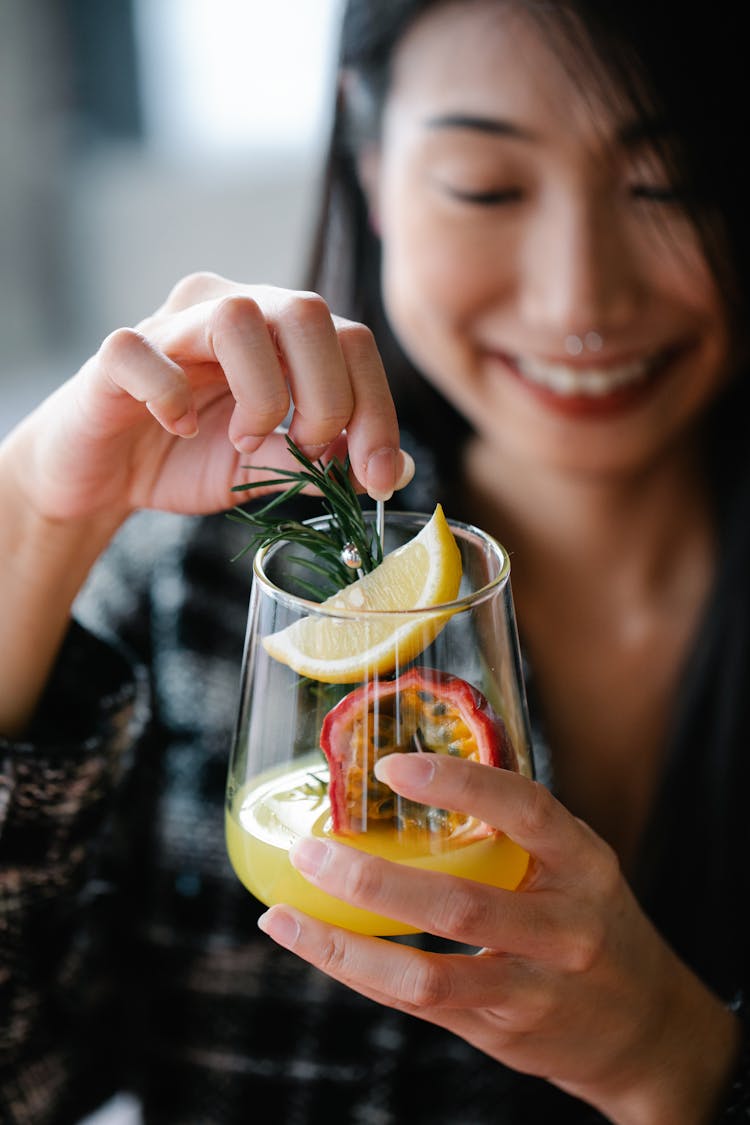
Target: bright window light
point(230, 75)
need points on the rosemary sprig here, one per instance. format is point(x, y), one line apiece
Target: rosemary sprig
point(346, 526)
point(316, 786)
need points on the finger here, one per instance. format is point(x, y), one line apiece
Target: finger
point(128, 366)
point(289, 344)
point(445, 905)
point(320, 383)
point(195, 288)
point(496, 1003)
point(410, 979)
point(338, 384)
point(525, 810)
point(238, 337)
point(269, 342)
point(231, 332)
point(373, 435)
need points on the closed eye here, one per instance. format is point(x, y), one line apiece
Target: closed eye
point(657, 193)
point(495, 197)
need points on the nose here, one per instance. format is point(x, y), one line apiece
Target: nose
point(578, 270)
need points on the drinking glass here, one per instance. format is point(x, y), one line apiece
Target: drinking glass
point(305, 745)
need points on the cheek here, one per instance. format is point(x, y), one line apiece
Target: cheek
point(436, 279)
point(426, 305)
point(693, 291)
point(671, 257)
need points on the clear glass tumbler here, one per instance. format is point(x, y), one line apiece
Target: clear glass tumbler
point(446, 680)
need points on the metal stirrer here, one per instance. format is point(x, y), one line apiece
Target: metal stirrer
point(350, 554)
point(380, 520)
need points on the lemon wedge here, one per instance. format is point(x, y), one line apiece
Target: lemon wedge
point(424, 572)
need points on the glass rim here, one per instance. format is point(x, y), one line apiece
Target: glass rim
point(310, 607)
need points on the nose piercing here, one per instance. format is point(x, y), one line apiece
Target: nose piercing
point(574, 345)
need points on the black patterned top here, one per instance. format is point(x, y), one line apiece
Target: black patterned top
point(129, 955)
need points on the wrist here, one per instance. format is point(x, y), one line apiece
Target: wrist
point(690, 1090)
point(45, 563)
point(685, 1078)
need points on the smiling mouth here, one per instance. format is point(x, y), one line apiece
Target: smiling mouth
point(593, 382)
point(594, 388)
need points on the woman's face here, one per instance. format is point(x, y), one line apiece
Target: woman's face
point(537, 266)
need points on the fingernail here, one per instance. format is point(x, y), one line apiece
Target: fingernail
point(187, 425)
point(246, 444)
point(310, 856)
point(313, 451)
point(380, 472)
point(281, 926)
point(407, 470)
point(413, 770)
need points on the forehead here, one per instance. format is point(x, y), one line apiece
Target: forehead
point(491, 58)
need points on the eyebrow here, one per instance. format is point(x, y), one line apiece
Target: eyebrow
point(495, 126)
point(632, 135)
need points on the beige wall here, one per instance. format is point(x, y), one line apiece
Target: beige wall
point(32, 142)
point(94, 237)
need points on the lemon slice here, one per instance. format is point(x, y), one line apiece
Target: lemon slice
point(424, 572)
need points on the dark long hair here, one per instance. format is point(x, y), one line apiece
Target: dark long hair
point(681, 69)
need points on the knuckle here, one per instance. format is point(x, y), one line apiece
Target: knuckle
point(269, 407)
point(333, 956)
point(264, 417)
point(607, 870)
point(332, 421)
point(363, 881)
point(149, 324)
point(462, 912)
point(192, 288)
point(538, 811)
point(602, 864)
point(356, 339)
point(170, 394)
point(234, 311)
point(426, 986)
point(304, 315)
point(304, 312)
point(585, 946)
point(121, 346)
point(467, 781)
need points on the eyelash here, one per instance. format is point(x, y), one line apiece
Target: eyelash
point(657, 195)
point(486, 198)
point(665, 195)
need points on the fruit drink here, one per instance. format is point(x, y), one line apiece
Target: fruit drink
point(276, 809)
point(331, 687)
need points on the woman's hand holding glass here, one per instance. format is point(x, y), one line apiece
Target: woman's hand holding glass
point(419, 654)
point(571, 981)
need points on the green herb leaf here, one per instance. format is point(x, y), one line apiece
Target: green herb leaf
point(316, 787)
point(341, 503)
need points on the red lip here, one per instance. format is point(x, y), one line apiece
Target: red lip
point(617, 401)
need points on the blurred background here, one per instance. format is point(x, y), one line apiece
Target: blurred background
point(141, 140)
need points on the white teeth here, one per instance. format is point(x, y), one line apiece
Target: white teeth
point(596, 382)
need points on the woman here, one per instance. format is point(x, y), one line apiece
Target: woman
point(550, 214)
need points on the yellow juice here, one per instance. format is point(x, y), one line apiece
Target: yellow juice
point(275, 809)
